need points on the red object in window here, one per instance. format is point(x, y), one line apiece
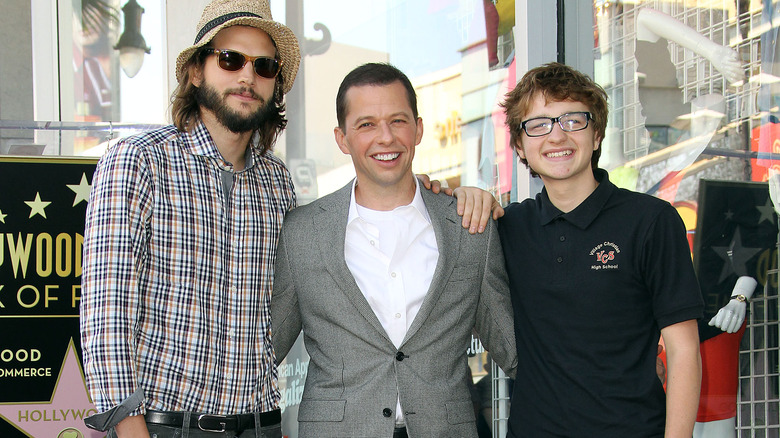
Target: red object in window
point(491, 31)
point(765, 139)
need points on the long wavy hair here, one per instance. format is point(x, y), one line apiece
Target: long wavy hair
point(185, 110)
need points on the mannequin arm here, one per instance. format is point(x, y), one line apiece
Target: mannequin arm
point(730, 317)
point(652, 24)
point(774, 188)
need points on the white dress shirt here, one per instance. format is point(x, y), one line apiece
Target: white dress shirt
point(392, 256)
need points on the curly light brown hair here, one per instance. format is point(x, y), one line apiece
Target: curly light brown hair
point(556, 82)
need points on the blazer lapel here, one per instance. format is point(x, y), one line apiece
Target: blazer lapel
point(446, 226)
point(331, 224)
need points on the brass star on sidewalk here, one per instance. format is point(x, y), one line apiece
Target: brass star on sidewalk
point(81, 190)
point(62, 415)
point(37, 206)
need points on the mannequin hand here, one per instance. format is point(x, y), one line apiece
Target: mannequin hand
point(726, 61)
point(475, 205)
point(730, 317)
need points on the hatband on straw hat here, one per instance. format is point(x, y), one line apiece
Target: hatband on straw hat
point(220, 14)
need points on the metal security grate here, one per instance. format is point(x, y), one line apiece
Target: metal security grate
point(747, 27)
point(759, 387)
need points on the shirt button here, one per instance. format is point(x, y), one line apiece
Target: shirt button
point(387, 412)
point(233, 289)
point(563, 238)
point(235, 243)
point(397, 315)
point(231, 333)
point(373, 243)
point(392, 274)
point(559, 259)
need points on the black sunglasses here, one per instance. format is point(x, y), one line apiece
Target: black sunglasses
point(231, 60)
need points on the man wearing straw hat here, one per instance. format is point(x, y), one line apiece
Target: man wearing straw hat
point(180, 241)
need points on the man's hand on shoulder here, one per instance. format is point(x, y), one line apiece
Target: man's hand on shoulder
point(474, 204)
point(434, 186)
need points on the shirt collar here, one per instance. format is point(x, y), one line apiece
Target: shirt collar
point(416, 204)
point(199, 142)
point(587, 211)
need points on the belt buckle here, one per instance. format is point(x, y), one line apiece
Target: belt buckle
point(223, 423)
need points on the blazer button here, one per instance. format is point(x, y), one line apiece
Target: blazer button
point(387, 412)
point(400, 356)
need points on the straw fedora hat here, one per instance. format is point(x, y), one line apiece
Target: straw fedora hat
point(220, 14)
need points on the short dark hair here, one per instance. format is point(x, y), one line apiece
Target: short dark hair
point(373, 73)
point(556, 82)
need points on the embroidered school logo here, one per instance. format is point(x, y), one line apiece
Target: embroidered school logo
point(604, 256)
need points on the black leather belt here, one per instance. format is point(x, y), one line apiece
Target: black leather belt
point(400, 432)
point(214, 423)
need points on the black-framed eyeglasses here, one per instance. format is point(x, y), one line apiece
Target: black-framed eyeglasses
point(231, 60)
point(569, 122)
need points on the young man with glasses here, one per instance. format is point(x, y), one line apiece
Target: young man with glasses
point(597, 274)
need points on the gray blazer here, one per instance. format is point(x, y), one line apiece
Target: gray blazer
point(356, 373)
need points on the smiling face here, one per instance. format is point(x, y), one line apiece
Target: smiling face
point(559, 155)
point(238, 100)
point(380, 133)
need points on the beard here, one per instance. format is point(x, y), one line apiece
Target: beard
point(207, 97)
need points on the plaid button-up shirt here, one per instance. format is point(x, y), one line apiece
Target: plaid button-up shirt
point(178, 266)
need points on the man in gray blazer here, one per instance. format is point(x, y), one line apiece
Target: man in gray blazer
point(386, 284)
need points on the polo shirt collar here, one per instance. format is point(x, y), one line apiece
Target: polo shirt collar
point(587, 211)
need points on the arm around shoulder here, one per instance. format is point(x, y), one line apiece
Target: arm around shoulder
point(495, 319)
point(476, 206)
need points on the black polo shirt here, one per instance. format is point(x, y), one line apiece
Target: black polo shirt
point(591, 290)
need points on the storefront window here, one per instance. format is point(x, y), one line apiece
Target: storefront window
point(692, 88)
point(75, 97)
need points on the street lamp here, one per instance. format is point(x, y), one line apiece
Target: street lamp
point(131, 44)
